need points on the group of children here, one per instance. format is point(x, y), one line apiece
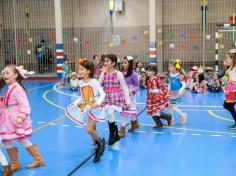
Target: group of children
point(114, 91)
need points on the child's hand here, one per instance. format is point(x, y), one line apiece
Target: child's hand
point(19, 120)
point(94, 105)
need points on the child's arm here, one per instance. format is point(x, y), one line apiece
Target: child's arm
point(101, 93)
point(124, 87)
point(23, 104)
point(181, 90)
point(100, 79)
point(135, 82)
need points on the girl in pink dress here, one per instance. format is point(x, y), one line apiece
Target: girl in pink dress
point(230, 88)
point(6, 167)
point(16, 124)
point(117, 94)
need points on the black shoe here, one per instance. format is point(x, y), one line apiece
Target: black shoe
point(101, 145)
point(97, 156)
point(158, 122)
point(113, 137)
point(99, 150)
point(233, 127)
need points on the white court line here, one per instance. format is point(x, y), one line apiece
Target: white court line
point(41, 122)
point(177, 133)
point(157, 132)
point(140, 131)
point(195, 134)
point(65, 125)
point(57, 90)
point(215, 135)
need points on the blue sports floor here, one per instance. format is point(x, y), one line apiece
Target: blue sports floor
point(204, 146)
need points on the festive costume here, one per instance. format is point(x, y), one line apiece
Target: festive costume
point(116, 96)
point(230, 95)
point(80, 110)
point(16, 105)
point(230, 89)
point(177, 86)
point(157, 100)
point(132, 110)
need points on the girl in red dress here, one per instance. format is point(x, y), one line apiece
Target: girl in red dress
point(157, 98)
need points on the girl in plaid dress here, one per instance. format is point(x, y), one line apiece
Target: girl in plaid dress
point(230, 88)
point(157, 98)
point(117, 94)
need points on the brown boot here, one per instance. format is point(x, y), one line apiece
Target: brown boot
point(167, 117)
point(157, 121)
point(38, 161)
point(7, 171)
point(13, 154)
point(121, 132)
point(134, 125)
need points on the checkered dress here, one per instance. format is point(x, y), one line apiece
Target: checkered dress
point(113, 90)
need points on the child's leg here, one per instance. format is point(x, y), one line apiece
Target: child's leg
point(182, 115)
point(121, 132)
point(3, 159)
point(98, 141)
point(13, 154)
point(113, 137)
point(34, 152)
point(91, 129)
point(134, 124)
point(230, 107)
point(6, 167)
point(170, 108)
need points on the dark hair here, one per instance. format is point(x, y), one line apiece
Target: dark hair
point(130, 68)
point(152, 68)
point(233, 57)
point(65, 59)
point(200, 77)
point(2, 82)
point(103, 57)
point(19, 78)
point(136, 65)
point(94, 56)
point(113, 58)
point(88, 65)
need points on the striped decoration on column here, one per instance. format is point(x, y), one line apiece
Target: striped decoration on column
point(153, 53)
point(217, 51)
point(60, 57)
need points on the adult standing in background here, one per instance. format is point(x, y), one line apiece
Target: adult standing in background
point(40, 51)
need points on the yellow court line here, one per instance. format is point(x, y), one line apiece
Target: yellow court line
point(219, 117)
point(47, 124)
point(49, 101)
